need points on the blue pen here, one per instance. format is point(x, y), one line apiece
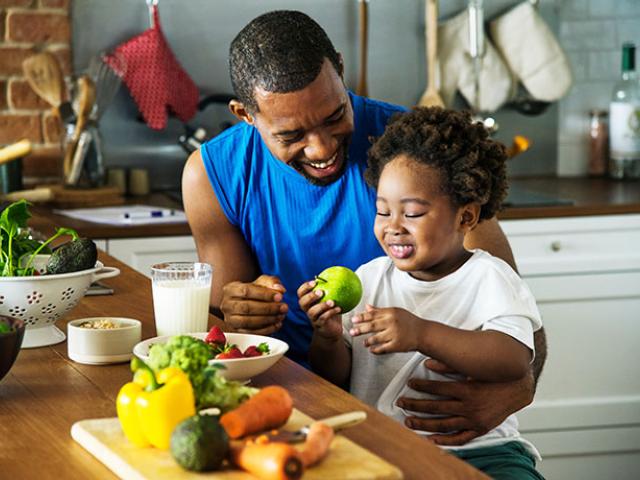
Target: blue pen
point(149, 214)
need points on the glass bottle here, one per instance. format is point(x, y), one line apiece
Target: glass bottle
point(598, 144)
point(624, 120)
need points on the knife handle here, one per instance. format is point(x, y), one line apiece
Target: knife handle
point(344, 420)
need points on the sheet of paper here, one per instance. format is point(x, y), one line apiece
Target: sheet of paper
point(126, 215)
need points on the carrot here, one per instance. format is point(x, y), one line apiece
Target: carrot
point(269, 408)
point(268, 461)
point(317, 444)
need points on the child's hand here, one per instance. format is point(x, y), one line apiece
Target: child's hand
point(325, 316)
point(392, 329)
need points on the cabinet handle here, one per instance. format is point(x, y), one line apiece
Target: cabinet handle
point(556, 245)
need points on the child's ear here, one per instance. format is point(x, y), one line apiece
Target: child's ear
point(469, 216)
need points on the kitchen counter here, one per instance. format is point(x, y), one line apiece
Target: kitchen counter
point(587, 196)
point(45, 393)
point(538, 197)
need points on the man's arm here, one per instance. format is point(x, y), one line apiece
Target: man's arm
point(489, 236)
point(218, 242)
point(540, 344)
point(246, 302)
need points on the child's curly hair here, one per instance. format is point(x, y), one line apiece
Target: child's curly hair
point(472, 165)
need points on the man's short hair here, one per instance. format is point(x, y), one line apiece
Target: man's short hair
point(281, 51)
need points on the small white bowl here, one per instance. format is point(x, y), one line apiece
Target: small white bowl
point(103, 346)
point(240, 369)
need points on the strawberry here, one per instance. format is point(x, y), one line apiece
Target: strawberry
point(253, 351)
point(230, 351)
point(216, 337)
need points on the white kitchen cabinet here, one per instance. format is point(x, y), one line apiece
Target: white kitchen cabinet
point(141, 253)
point(585, 274)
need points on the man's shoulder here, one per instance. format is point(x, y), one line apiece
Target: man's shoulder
point(232, 150)
point(240, 132)
point(371, 117)
point(373, 107)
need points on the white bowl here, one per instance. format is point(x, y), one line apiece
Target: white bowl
point(235, 368)
point(103, 346)
point(42, 299)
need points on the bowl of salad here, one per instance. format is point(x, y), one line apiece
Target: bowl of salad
point(39, 285)
point(11, 335)
point(238, 356)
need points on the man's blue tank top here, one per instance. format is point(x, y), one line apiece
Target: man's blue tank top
point(296, 229)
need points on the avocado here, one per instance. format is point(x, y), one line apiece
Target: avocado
point(73, 256)
point(199, 443)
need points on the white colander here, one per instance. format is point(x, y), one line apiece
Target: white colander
point(41, 300)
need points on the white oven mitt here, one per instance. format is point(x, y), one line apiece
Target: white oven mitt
point(532, 52)
point(456, 67)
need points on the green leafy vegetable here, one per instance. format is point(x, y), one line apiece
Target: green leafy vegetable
point(4, 328)
point(17, 248)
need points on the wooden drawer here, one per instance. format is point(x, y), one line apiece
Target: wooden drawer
point(575, 245)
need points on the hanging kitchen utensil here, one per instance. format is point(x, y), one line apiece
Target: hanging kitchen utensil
point(156, 80)
point(477, 51)
point(534, 57)
point(430, 97)
point(363, 17)
point(44, 75)
point(457, 66)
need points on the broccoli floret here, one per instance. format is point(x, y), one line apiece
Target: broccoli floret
point(191, 355)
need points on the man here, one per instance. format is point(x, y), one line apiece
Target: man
point(280, 196)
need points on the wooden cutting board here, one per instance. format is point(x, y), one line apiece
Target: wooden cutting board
point(104, 439)
point(84, 197)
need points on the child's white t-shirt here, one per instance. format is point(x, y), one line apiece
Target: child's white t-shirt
point(484, 293)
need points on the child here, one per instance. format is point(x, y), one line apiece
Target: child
point(437, 176)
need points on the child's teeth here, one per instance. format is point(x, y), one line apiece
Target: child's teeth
point(401, 250)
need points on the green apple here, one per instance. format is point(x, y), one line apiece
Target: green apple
point(341, 285)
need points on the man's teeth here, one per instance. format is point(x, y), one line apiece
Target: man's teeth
point(328, 163)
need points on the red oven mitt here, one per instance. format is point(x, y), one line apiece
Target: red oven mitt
point(155, 79)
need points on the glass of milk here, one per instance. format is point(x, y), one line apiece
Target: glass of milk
point(181, 293)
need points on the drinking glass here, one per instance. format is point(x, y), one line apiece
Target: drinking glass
point(181, 293)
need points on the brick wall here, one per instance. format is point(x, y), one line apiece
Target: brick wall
point(28, 27)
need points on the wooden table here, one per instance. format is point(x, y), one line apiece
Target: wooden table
point(45, 393)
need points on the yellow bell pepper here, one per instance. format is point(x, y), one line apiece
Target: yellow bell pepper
point(151, 406)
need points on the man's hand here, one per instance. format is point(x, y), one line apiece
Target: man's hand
point(254, 307)
point(325, 316)
point(470, 408)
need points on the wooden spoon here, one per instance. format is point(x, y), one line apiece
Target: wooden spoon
point(363, 14)
point(86, 100)
point(44, 74)
point(430, 97)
